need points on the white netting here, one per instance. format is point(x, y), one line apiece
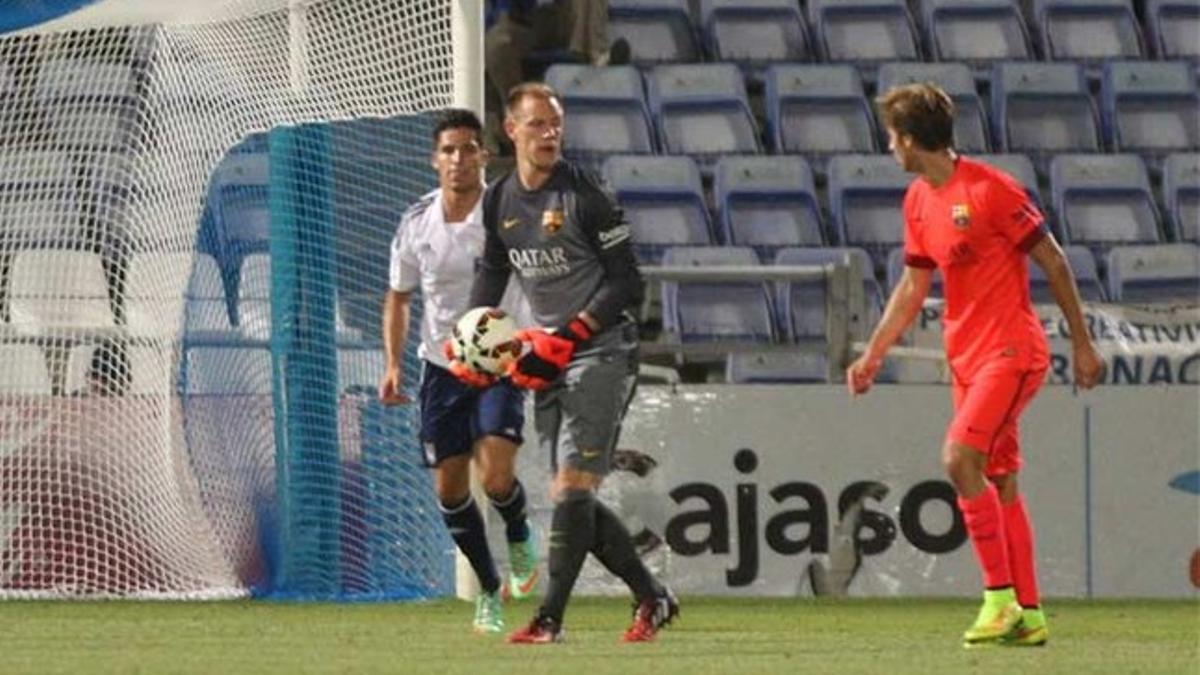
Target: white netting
point(140, 394)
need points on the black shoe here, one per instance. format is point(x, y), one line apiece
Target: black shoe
point(619, 53)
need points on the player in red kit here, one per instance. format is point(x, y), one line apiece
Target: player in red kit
point(976, 225)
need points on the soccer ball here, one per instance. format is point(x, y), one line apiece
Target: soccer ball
point(485, 339)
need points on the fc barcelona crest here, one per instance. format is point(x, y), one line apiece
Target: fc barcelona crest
point(961, 215)
point(553, 219)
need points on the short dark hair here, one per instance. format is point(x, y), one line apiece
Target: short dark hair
point(921, 110)
point(456, 118)
point(527, 89)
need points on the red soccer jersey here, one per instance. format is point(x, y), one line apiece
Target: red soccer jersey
point(977, 229)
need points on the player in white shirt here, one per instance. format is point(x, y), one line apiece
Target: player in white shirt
point(439, 239)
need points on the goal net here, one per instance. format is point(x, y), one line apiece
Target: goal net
point(196, 205)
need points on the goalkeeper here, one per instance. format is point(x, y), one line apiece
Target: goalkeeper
point(550, 222)
point(435, 248)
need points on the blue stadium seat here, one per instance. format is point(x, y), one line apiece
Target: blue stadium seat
point(1042, 109)
point(753, 33)
point(777, 368)
point(1103, 200)
point(606, 111)
point(206, 310)
point(663, 200)
point(767, 203)
point(716, 311)
point(1172, 27)
point(1181, 195)
point(228, 371)
point(1151, 108)
point(703, 111)
point(895, 268)
point(1083, 266)
point(1162, 273)
point(802, 303)
point(864, 31)
point(866, 195)
point(977, 32)
point(253, 309)
point(1088, 30)
point(818, 111)
point(970, 121)
point(238, 199)
point(658, 31)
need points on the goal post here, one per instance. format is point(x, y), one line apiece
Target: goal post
point(198, 204)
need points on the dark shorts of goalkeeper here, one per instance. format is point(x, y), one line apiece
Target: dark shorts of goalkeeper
point(578, 418)
point(455, 415)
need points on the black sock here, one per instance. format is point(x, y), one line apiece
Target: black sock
point(614, 548)
point(466, 527)
point(572, 531)
point(512, 510)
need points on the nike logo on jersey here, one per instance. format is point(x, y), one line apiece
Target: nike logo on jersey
point(510, 223)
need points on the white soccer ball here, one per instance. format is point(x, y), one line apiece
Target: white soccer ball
point(485, 339)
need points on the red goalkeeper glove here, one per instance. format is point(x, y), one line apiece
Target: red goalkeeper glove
point(547, 354)
point(464, 373)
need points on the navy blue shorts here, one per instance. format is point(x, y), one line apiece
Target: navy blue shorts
point(454, 415)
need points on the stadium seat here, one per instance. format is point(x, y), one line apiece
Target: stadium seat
point(1181, 195)
point(970, 121)
point(767, 203)
point(155, 286)
point(1083, 266)
point(1172, 27)
point(228, 371)
point(38, 189)
point(238, 198)
point(658, 31)
point(207, 312)
point(89, 105)
point(802, 303)
point(54, 289)
point(864, 31)
point(23, 370)
point(1162, 273)
point(753, 33)
point(606, 111)
point(1088, 30)
point(1103, 200)
point(663, 201)
point(150, 371)
point(777, 367)
point(1042, 109)
point(703, 111)
point(978, 33)
point(895, 268)
point(254, 297)
point(866, 195)
point(1151, 108)
point(359, 370)
point(716, 311)
point(818, 111)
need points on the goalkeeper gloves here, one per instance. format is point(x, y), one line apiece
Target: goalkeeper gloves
point(464, 373)
point(547, 354)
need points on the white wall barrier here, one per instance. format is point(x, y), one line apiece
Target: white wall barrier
point(745, 489)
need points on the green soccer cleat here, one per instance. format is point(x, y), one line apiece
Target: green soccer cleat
point(523, 567)
point(1031, 630)
point(489, 613)
point(998, 617)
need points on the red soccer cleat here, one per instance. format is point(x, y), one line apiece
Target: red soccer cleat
point(541, 631)
point(650, 616)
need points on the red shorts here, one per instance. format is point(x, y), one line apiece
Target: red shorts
point(986, 412)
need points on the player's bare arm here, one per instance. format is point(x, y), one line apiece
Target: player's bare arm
point(902, 307)
point(1086, 361)
point(395, 332)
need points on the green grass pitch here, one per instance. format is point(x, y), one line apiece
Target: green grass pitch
point(712, 636)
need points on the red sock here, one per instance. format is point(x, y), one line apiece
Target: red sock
point(1018, 532)
point(985, 525)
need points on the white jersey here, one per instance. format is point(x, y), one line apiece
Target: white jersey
point(440, 258)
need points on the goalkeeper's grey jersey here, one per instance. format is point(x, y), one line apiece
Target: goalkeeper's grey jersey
point(567, 243)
